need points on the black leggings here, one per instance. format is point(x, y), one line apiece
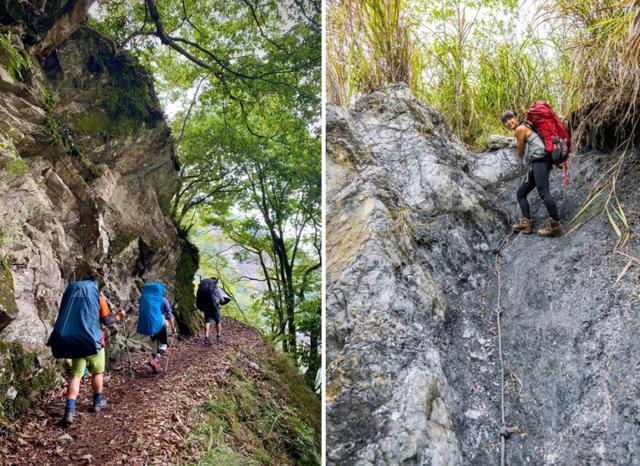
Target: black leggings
point(538, 177)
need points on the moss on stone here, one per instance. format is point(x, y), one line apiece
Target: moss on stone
point(96, 122)
point(8, 306)
point(127, 100)
point(22, 379)
point(158, 243)
point(62, 136)
point(14, 58)
point(120, 242)
point(188, 317)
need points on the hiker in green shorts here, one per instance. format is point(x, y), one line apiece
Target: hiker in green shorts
point(77, 331)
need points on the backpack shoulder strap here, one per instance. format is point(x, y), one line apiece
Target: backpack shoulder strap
point(528, 124)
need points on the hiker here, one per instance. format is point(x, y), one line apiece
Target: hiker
point(77, 336)
point(154, 309)
point(531, 148)
point(209, 299)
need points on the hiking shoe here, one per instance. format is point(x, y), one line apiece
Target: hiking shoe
point(553, 228)
point(523, 226)
point(207, 341)
point(69, 412)
point(99, 405)
point(154, 365)
point(218, 338)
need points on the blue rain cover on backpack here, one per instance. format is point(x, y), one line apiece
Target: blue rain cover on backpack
point(150, 320)
point(77, 332)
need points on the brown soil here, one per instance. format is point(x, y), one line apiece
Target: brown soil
point(147, 420)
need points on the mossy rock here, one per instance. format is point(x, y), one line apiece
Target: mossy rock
point(31, 16)
point(158, 243)
point(8, 306)
point(120, 242)
point(188, 317)
point(126, 98)
point(22, 379)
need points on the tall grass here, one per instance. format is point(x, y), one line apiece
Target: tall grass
point(602, 51)
point(446, 51)
point(370, 44)
point(477, 65)
point(471, 61)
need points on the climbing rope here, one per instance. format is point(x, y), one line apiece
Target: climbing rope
point(505, 431)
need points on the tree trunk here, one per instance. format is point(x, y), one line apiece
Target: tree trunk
point(314, 358)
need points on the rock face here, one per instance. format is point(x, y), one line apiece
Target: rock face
point(413, 225)
point(87, 174)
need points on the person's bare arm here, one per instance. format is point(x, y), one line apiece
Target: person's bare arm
point(521, 138)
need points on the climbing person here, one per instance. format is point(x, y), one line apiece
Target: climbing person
point(531, 148)
point(154, 309)
point(209, 298)
point(77, 336)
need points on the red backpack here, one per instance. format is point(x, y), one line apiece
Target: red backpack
point(555, 136)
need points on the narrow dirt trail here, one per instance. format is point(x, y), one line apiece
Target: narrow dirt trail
point(146, 421)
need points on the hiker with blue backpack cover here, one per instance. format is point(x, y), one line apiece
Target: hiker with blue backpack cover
point(77, 336)
point(154, 309)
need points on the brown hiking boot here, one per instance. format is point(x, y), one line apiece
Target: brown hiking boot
point(524, 225)
point(553, 228)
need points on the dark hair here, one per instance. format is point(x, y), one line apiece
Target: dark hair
point(507, 115)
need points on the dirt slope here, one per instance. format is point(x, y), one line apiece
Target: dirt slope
point(147, 420)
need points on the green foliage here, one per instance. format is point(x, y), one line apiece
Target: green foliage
point(247, 49)
point(601, 65)
point(17, 63)
point(120, 242)
point(61, 136)
point(243, 80)
point(469, 65)
point(10, 158)
point(7, 298)
point(370, 43)
point(272, 419)
point(22, 379)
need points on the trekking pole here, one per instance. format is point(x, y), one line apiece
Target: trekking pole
point(173, 338)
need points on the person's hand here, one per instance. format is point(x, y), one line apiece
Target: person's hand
point(120, 314)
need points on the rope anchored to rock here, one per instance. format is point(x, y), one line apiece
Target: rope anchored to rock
point(505, 431)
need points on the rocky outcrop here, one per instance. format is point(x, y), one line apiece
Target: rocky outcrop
point(87, 174)
point(413, 225)
point(404, 220)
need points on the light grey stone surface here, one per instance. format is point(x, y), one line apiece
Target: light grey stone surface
point(413, 225)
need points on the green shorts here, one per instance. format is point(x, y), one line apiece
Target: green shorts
point(95, 364)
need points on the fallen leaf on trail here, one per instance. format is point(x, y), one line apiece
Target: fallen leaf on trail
point(65, 438)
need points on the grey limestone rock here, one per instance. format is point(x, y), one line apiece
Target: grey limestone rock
point(81, 186)
point(414, 222)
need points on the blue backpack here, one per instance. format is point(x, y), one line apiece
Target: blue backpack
point(77, 332)
point(150, 320)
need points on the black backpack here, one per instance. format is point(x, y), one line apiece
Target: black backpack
point(205, 297)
